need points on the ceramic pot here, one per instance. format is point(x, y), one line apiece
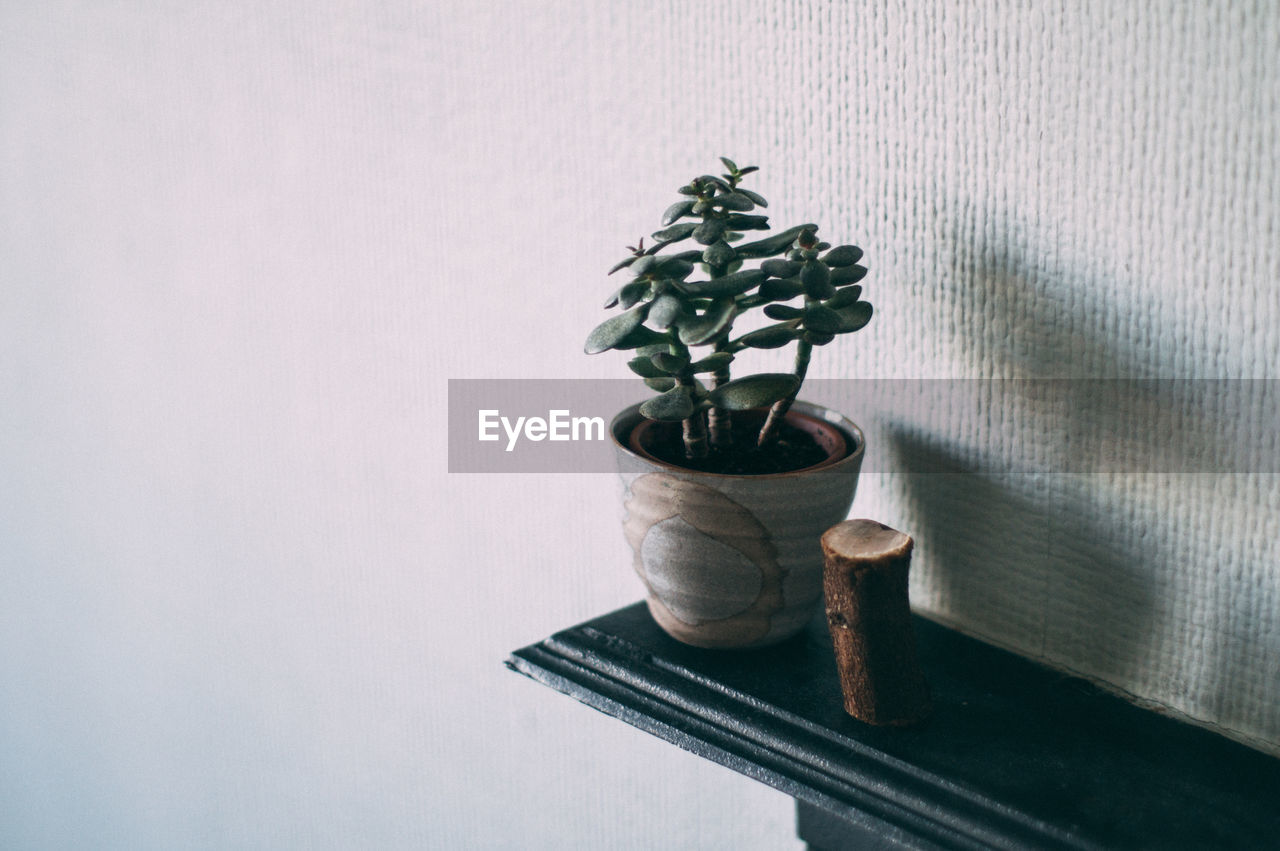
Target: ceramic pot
point(734, 561)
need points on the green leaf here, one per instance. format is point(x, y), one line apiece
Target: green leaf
point(748, 170)
point(744, 222)
point(674, 267)
point(726, 285)
point(718, 253)
point(782, 311)
point(640, 336)
point(644, 368)
point(715, 181)
point(711, 324)
point(675, 211)
point(754, 391)
point(665, 310)
point(842, 255)
point(643, 264)
point(848, 275)
point(817, 338)
point(773, 337)
point(631, 293)
point(772, 245)
point(754, 196)
point(688, 189)
point(729, 164)
point(676, 404)
point(609, 333)
point(662, 385)
point(824, 320)
point(778, 268)
point(843, 297)
point(653, 348)
point(781, 289)
point(816, 278)
point(675, 232)
point(669, 364)
point(735, 201)
point(622, 264)
point(712, 362)
point(855, 318)
point(709, 231)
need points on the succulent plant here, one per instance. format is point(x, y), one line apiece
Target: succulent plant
point(669, 309)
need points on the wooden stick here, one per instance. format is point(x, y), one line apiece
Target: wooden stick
point(865, 581)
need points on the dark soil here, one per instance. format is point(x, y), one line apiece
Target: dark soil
point(795, 449)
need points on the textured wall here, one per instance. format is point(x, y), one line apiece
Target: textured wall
point(243, 246)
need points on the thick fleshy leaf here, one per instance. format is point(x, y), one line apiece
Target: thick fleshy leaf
point(781, 289)
point(782, 312)
point(631, 293)
point(675, 211)
point(712, 179)
point(643, 264)
point(816, 278)
point(824, 320)
point(744, 222)
point(856, 317)
point(844, 297)
point(662, 385)
point(754, 196)
point(848, 275)
point(674, 267)
point(640, 336)
point(669, 364)
point(718, 253)
point(842, 255)
point(712, 362)
point(644, 368)
point(709, 231)
point(653, 348)
point(714, 322)
point(779, 268)
point(726, 285)
point(665, 310)
point(675, 232)
point(754, 391)
point(675, 404)
point(729, 164)
point(735, 201)
point(817, 338)
point(688, 189)
point(622, 264)
point(772, 337)
point(772, 245)
point(609, 333)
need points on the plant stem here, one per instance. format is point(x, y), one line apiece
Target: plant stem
point(718, 419)
point(695, 430)
point(769, 432)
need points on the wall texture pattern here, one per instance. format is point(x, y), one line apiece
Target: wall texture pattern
point(243, 245)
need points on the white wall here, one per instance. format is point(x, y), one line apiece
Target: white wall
point(244, 245)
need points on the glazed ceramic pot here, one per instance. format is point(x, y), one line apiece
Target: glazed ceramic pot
point(728, 560)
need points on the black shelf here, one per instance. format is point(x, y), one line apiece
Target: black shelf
point(1015, 756)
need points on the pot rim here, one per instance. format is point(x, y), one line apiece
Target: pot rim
point(627, 419)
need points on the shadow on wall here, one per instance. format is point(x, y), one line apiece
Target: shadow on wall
point(1081, 557)
point(1015, 558)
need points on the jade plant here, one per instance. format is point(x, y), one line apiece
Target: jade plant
point(681, 305)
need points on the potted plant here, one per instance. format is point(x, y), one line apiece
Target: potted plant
point(729, 482)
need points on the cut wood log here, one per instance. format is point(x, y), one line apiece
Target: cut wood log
point(865, 582)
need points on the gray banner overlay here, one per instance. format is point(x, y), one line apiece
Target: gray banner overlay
point(990, 426)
